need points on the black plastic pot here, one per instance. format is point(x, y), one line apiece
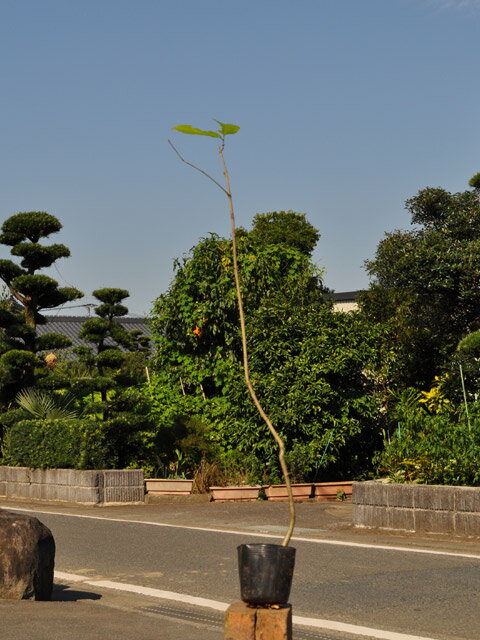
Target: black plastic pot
point(266, 573)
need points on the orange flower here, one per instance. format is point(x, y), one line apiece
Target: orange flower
point(51, 360)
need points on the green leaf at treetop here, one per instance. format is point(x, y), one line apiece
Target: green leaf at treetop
point(187, 128)
point(227, 129)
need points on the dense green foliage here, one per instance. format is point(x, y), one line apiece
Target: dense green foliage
point(425, 293)
point(433, 448)
point(285, 227)
point(331, 382)
point(310, 369)
point(425, 283)
point(112, 367)
point(79, 399)
point(67, 443)
point(308, 363)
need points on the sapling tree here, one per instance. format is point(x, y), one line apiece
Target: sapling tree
point(220, 134)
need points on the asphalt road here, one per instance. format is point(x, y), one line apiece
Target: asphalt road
point(431, 595)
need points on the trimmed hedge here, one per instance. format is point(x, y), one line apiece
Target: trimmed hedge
point(66, 444)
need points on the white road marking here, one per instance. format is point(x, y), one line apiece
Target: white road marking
point(332, 625)
point(69, 577)
point(317, 623)
point(340, 543)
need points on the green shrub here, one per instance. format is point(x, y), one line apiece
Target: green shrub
point(441, 448)
point(65, 443)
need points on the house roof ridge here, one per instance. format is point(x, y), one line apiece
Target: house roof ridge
point(77, 318)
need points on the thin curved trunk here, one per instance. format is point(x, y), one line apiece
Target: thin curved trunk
point(246, 368)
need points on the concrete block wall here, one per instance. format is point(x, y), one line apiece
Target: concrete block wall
point(417, 507)
point(3, 477)
point(95, 487)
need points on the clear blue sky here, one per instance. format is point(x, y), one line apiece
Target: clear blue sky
point(347, 108)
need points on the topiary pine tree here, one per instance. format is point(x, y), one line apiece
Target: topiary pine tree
point(106, 359)
point(32, 292)
point(116, 362)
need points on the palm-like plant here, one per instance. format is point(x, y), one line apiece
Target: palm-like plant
point(47, 406)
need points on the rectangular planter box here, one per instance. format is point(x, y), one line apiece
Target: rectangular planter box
point(327, 491)
point(279, 491)
point(168, 487)
point(242, 493)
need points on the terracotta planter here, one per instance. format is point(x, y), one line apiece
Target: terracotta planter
point(327, 491)
point(243, 493)
point(279, 491)
point(165, 487)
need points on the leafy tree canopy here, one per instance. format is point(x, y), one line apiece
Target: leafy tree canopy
point(425, 282)
point(285, 227)
point(30, 225)
point(199, 312)
point(305, 360)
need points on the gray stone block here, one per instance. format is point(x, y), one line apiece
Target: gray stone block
point(115, 495)
point(45, 491)
point(3, 473)
point(82, 478)
point(467, 524)
point(68, 477)
point(359, 490)
point(56, 492)
point(375, 494)
point(17, 490)
point(359, 515)
point(35, 491)
point(123, 477)
point(56, 476)
point(85, 495)
point(38, 476)
point(72, 485)
point(434, 521)
point(401, 519)
point(365, 515)
point(434, 497)
point(18, 474)
point(400, 495)
point(467, 499)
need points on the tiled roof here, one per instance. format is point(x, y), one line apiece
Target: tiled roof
point(344, 296)
point(71, 325)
